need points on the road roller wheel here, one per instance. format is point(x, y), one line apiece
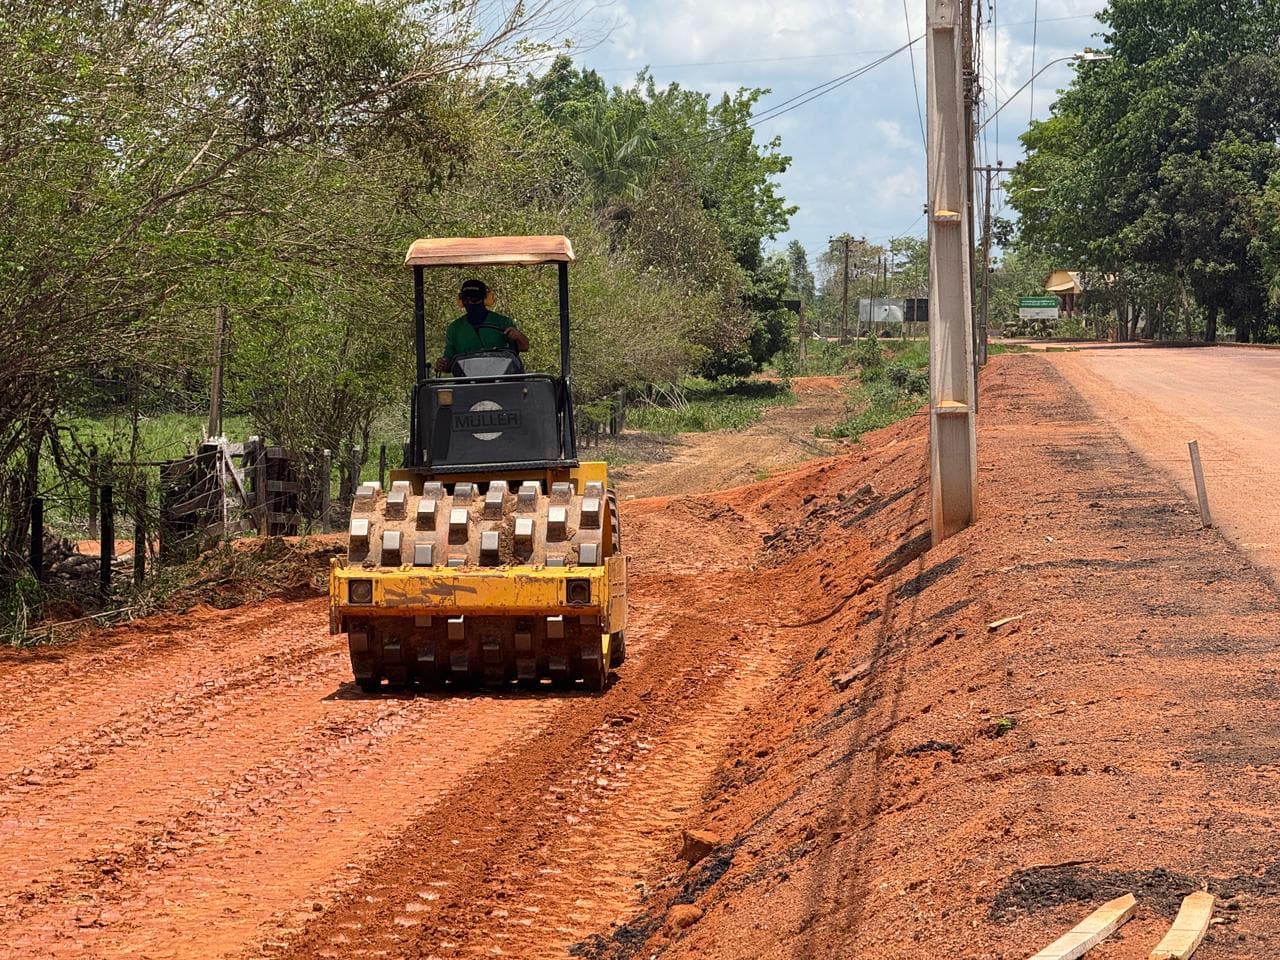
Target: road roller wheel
point(370, 685)
point(595, 665)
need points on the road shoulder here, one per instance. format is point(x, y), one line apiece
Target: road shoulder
point(922, 783)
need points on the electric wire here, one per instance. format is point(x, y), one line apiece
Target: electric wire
point(915, 82)
point(813, 93)
point(802, 98)
point(1035, 32)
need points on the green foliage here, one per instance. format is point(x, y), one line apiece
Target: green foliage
point(887, 391)
point(800, 280)
point(21, 599)
point(1020, 273)
point(1151, 174)
point(869, 358)
point(907, 379)
point(683, 186)
point(278, 157)
point(697, 405)
point(827, 357)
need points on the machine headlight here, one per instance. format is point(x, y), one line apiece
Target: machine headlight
point(577, 592)
point(360, 591)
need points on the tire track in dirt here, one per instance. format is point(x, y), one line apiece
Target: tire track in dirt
point(222, 789)
point(309, 814)
point(55, 698)
point(165, 714)
point(552, 843)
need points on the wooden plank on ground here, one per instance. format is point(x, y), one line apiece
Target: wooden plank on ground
point(1001, 622)
point(1090, 931)
point(1188, 929)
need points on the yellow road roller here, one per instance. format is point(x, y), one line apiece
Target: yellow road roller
point(494, 557)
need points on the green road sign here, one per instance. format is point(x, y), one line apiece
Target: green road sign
point(1031, 302)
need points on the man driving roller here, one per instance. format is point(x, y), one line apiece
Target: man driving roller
point(480, 328)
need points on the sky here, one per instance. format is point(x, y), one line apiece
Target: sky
point(858, 153)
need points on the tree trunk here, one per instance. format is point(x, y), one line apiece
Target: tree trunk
point(1211, 325)
point(1243, 332)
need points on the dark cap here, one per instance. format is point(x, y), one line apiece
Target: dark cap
point(473, 289)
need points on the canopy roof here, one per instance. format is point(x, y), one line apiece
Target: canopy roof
point(1064, 281)
point(488, 251)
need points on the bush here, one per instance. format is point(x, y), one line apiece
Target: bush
point(869, 359)
point(906, 379)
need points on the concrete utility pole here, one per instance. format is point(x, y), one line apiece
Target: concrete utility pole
point(953, 437)
point(985, 296)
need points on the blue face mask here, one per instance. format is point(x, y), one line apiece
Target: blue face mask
point(476, 312)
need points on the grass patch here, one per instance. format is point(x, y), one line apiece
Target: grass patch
point(995, 349)
point(697, 406)
point(163, 436)
point(893, 380)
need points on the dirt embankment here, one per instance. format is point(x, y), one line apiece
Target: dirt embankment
point(920, 785)
point(890, 778)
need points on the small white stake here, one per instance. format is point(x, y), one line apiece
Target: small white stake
point(1201, 494)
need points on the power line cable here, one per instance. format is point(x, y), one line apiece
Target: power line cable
point(995, 63)
point(1035, 31)
point(805, 96)
point(915, 81)
point(813, 93)
point(728, 63)
point(787, 59)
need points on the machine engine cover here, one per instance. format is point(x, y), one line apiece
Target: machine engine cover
point(489, 421)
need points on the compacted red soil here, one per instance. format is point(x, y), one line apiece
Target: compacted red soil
point(886, 776)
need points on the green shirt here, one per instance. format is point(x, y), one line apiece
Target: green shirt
point(461, 337)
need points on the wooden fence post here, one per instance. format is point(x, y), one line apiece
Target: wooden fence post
point(107, 542)
point(93, 489)
point(326, 477)
point(140, 538)
point(37, 537)
point(382, 466)
point(355, 471)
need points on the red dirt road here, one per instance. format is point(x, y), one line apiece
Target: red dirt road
point(1227, 398)
point(891, 778)
point(215, 784)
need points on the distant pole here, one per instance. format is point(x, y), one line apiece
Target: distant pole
point(984, 309)
point(37, 537)
point(844, 295)
point(215, 391)
point(804, 335)
point(382, 465)
point(106, 542)
point(953, 444)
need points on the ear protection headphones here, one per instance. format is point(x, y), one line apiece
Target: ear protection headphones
point(488, 301)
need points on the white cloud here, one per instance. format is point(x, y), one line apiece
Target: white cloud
point(858, 161)
point(891, 136)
